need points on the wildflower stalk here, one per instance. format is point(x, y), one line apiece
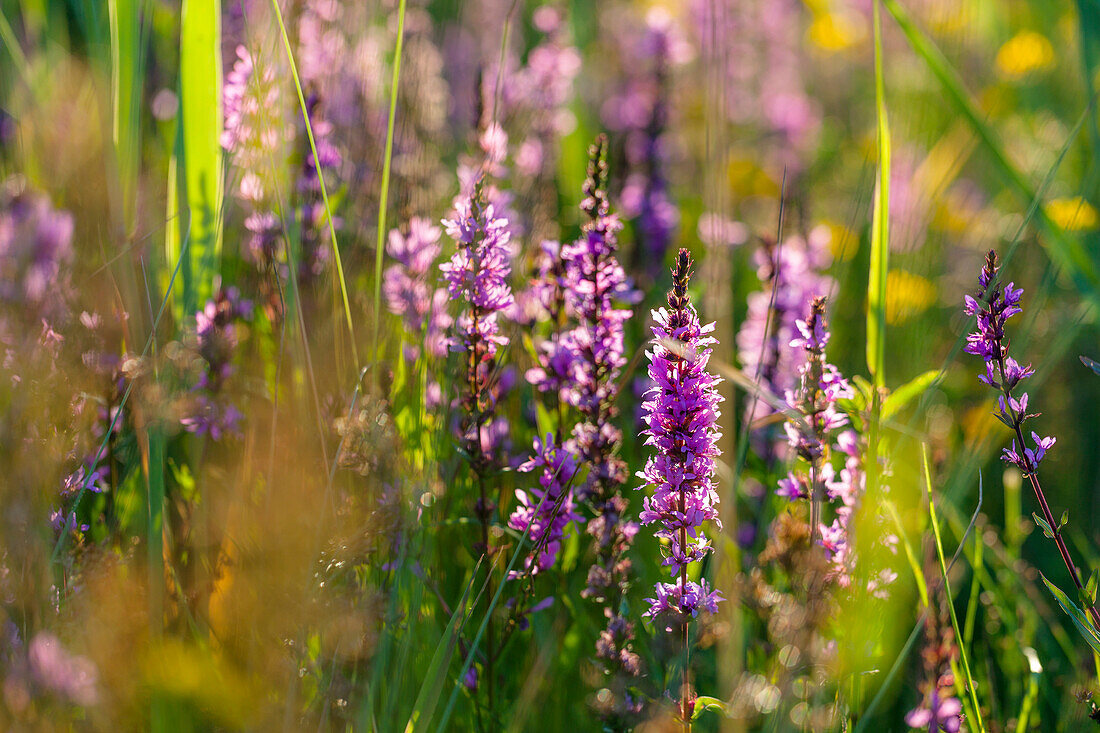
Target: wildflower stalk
point(993, 306)
point(478, 274)
point(682, 424)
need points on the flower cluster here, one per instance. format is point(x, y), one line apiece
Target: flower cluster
point(408, 292)
point(790, 273)
point(45, 666)
point(816, 435)
point(548, 510)
point(993, 307)
point(477, 275)
point(640, 110)
point(595, 281)
point(682, 426)
point(312, 223)
point(35, 251)
point(209, 413)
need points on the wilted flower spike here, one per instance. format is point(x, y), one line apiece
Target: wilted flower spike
point(682, 426)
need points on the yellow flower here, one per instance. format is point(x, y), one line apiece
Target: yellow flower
point(843, 242)
point(1072, 214)
point(835, 31)
point(1024, 53)
point(907, 295)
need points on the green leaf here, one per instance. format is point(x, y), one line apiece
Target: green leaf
point(1090, 587)
point(703, 702)
point(880, 229)
point(1043, 524)
point(127, 71)
point(1091, 364)
point(1076, 614)
point(907, 392)
point(201, 159)
point(1064, 520)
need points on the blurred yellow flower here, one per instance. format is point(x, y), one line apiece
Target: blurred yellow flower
point(907, 295)
point(1024, 53)
point(1072, 214)
point(843, 242)
point(835, 31)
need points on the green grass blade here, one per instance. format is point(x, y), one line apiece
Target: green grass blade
point(428, 697)
point(384, 195)
point(321, 178)
point(11, 45)
point(1064, 250)
point(201, 120)
point(127, 72)
point(880, 227)
point(963, 655)
point(1036, 669)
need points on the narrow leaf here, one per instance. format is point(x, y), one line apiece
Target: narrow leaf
point(907, 392)
point(1076, 614)
point(201, 127)
point(880, 231)
point(1091, 364)
point(436, 674)
point(704, 702)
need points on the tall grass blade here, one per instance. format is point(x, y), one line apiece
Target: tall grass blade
point(436, 674)
point(201, 121)
point(880, 227)
point(127, 82)
point(384, 195)
point(964, 657)
point(321, 179)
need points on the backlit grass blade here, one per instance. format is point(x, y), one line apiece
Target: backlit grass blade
point(384, 195)
point(436, 674)
point(964, 657)
point(201, 127)
point(1064, 250)
point(127, 74)
point(321, 179)
point(880, 229)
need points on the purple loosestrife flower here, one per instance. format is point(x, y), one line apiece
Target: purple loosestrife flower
point(682, 425)
point(548, 510)
point(790, 273)
point(640, 111)
point(595, 280)
point(938, 713)
point(35, 252)
point(210, 412)
point(312, 221)
point(993, 307)
point(477, 274)
point(407, 290)
point(814, 439)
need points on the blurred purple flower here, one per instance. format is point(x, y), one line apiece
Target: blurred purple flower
point(936, 714)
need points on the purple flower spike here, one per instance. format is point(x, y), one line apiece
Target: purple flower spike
point(682, 425)
point(478, 273)
point(992, 307)
point(548, 510)
point(407, 290)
